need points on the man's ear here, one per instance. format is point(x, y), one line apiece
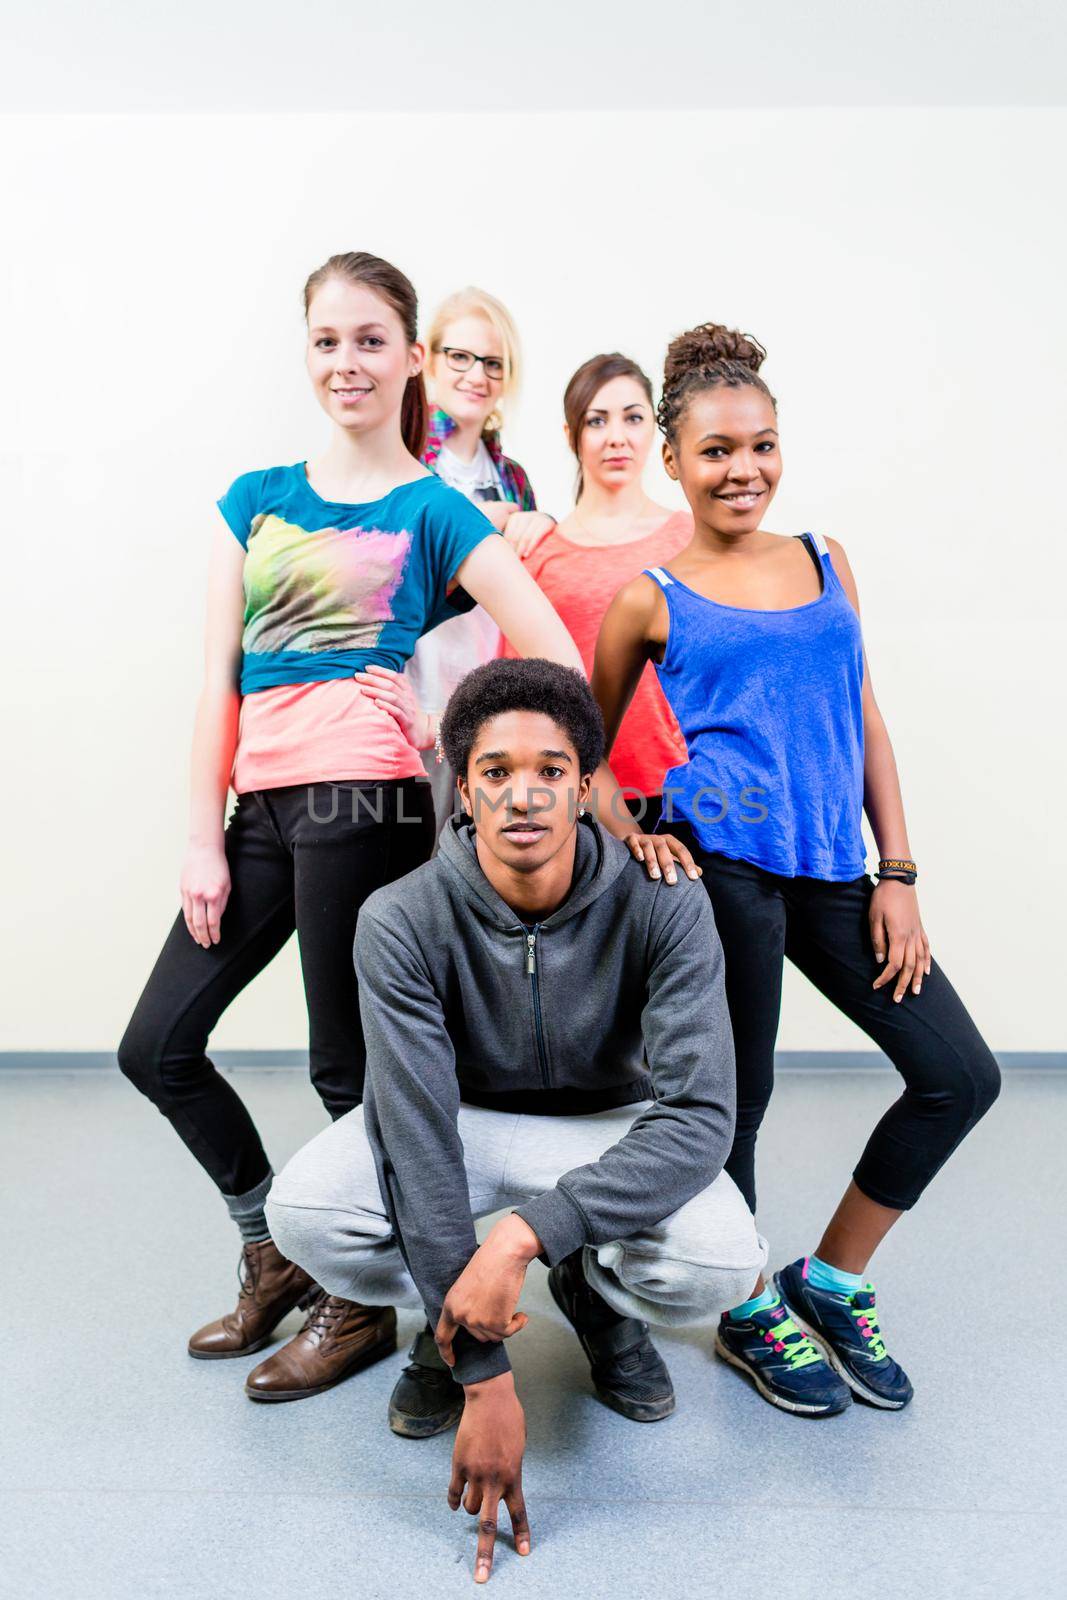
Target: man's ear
point(670, 466)
point(465, 795)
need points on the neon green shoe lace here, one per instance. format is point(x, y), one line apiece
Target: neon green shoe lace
point(792, 1342)
point(866, 1318)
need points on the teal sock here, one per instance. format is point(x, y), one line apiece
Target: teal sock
point(832, 1281)
point(759, 1302)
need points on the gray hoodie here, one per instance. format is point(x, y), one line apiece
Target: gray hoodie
point(460, 1001)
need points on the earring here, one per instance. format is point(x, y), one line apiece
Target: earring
point(581, 811)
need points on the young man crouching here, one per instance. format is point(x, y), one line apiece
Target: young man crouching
point(547, 1032)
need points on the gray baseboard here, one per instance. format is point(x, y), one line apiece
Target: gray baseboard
point(75, 1060)
point(296, 1059)
point(849, 1060)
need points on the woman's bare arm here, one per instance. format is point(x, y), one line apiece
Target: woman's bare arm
point(494, 576)
point(897, 933)
point(882, 799)
point(205, 881)
point(627, 635)
point(622, 652)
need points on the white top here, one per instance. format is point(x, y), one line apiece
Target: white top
point(445, 655)
point(470, 476)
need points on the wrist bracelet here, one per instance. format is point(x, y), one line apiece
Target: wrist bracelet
point(894, 868)
point(438, 747)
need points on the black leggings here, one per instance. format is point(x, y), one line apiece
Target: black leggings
point(950, 1076)
point(306, 858)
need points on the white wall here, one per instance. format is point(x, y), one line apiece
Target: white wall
point(904, 269)
point(358, 55)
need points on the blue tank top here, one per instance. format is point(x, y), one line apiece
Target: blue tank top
point(770, 705)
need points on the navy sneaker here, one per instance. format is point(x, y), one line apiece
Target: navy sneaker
point(846, 1327)
point(786, 1366)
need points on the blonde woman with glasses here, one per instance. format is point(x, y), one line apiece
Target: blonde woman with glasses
point(473, 367)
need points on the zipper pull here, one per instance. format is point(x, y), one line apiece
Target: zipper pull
point(531, 964)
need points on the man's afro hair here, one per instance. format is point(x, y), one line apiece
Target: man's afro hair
point(533, 685)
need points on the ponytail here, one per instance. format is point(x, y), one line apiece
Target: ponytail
point(414, 416)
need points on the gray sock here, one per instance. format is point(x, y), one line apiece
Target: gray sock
point(247, 1211)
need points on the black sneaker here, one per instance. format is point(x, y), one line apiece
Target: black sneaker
point(426, 1399)
point(628, 1373)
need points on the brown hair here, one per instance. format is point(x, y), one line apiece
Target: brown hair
point(358, 266)
point(583, 388)
point(707, 357)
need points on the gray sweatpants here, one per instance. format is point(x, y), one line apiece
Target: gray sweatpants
point(325, 1212)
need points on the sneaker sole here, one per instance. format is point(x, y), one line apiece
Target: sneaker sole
point(859, 1389)
point(406, 1427)
point(635, 1410)
point(815, 1412)
point(366, 1358)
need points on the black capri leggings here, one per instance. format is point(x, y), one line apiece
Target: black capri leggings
point(950, 1076)
point(304, 857)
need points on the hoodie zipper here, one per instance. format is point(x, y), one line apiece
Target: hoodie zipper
point(531, 968)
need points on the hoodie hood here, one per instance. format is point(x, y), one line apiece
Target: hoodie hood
point(598, 859)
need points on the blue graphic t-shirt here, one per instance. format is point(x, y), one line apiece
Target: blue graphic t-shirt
point(329, 587)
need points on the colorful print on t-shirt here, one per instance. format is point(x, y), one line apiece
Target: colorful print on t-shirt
point(332, 592)
point(330, 588)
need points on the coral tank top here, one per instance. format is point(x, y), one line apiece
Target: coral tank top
point(581, 581)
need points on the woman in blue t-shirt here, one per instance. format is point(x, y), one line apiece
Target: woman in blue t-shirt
point(757, 642)
point(323, 576)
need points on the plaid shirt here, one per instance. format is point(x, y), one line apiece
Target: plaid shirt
point(516, 484)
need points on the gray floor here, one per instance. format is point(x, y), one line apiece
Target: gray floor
point(129, 1470)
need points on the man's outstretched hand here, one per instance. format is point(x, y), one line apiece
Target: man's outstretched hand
point(487, 1461)
point(484, 1296)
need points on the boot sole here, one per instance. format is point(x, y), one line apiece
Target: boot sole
point(231, 1355)
point(635, 1410)
point(796, 1407)
point(366, 1358)
point(859, 1389)
point(406, 1427)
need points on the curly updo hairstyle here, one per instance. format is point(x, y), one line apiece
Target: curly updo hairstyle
point(710, 356)
point(529, 685)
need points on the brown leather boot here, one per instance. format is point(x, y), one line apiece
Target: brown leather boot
point(337, 1339)
point(270, 1287)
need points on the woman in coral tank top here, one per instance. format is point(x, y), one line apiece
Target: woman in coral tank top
point(614, 532)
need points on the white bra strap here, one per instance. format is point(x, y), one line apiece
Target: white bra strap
point(661, 577)
point(820, 543)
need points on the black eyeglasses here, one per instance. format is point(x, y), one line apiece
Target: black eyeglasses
point(463, 361)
